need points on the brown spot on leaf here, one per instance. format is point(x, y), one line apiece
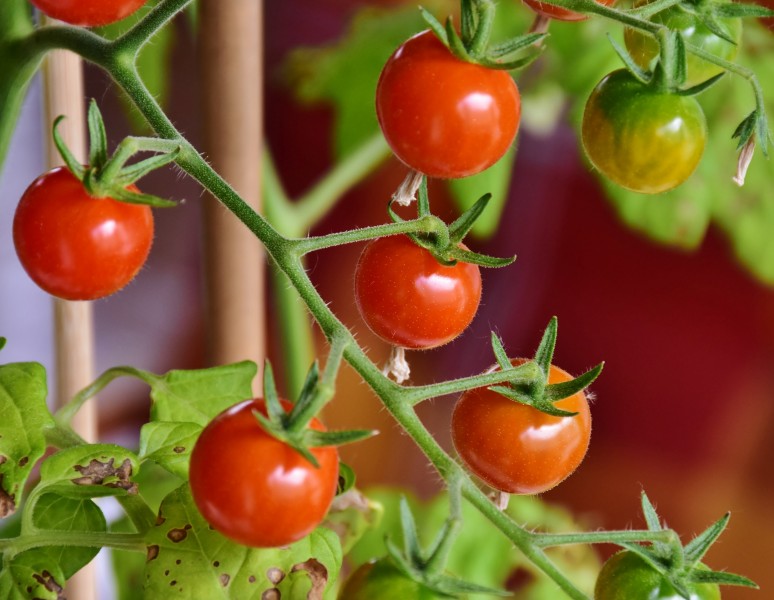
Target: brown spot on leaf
point(178, 535)
point(24, 460)
point(7, 501)
point(519, 579)
point(224, 579)
point(275, 575)
point(178, 561)
point(317, 573)
point(160, 520)
point(272, 594)
point(178, 449)
point(216, 563)
point(173, 583)
point(97, 471)
point(47, 580)
point(152, 552)
point(251, 579)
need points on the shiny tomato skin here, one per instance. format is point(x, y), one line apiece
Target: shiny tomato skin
point(255, 489)
point(626, 576)
point(88, 13)
point(75, 246)
point(442, 116)
point(642, 139)
point(381, 580)
point(559, 13)
point(518, 449)
point(409, 299)
point(644, 48)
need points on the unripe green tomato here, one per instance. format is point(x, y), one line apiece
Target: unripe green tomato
point(626, 576)
point(643, 139)
point(381, 580)
point(644, 48)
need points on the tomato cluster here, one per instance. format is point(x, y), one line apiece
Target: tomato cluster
point(88, 13)
point(75, 246)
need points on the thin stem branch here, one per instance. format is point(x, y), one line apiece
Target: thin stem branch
point(548, 540)
point(85, 539)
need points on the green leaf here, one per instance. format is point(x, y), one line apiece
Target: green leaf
point(188, 558)
point(351, 515)
point(89, 471)
point(17, 66)
point(169, 445)
point(23, 419)
point(31, 575)
point(59, 513)
point(199, 395)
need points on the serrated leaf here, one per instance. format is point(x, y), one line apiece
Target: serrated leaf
point(196, 396)
point(24, 416)
point(188, 558)
point(169, 445)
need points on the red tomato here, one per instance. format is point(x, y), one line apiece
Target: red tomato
point(559, 13)
point(443, 116)
point(75, 246)
point(411, 300)
point(88, 13)
point(255, 489)
point(518, 449)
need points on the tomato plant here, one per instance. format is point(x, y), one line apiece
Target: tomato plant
point(640, 137)
point(88, 13)
point(442, 116)
point(690, 23)
point(411, 300)
point(254, 488)
point(382, 580)
point(516, 448)
point(557, 12)
point(75, 246)
point(626, 576)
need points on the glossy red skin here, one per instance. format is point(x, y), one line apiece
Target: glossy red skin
point(75, 246)
point(559, 13)
point(88, 13)
point(442, 116)
point(518, 449)
point(411, 300)
point(255, 489)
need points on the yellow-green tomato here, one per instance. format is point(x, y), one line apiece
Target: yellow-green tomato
point(381, 580)
point(642, 138)
point(626, 576)
point(644, 48)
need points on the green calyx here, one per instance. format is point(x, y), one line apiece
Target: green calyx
point(110, 177)
point(540, 394)
point(472, 43)
point(681, 565)
point(291, 427)
point(445, 243)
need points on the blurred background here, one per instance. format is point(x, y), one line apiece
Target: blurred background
point(673, 292)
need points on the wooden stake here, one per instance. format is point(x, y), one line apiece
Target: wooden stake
point(231, 42)
point(73, 329)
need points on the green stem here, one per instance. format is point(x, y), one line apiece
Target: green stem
point(548, 540)
point(85, 539)
point(136, 37)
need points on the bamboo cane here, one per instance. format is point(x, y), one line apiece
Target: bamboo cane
point(231, 59)
point(73, 328)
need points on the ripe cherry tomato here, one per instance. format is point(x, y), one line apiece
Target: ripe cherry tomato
point(442, 116)
point(626, 576)
point(518, 449)
point(643, 139)
point(88, 13)
point(382, 580)
point(559, 13)
point(411, 300)
point(644, 48)
point(255, 489)
point(75, 246)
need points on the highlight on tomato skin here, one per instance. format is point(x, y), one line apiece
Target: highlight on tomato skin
point(88, 13)
point(255, 489)
point(558, 13)
point(515, 448)
point(77, 247)
point(641, 138)
point(409, 299)
point(442, 116)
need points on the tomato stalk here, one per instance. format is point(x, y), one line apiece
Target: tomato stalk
point(42, 538)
